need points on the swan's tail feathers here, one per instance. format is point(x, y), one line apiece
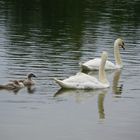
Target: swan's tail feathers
point(84, 68)
point(81, 66)
point(60, 83)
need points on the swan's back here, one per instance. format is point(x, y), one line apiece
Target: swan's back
point(95, 63)
point(81, 81)
point(80, 78)
point(92, 64)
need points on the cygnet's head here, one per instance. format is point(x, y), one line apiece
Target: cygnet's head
point(31, 75)
point(120, 43)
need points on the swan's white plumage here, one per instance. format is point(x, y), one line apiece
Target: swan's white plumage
point(94, 63)
point(84, 81)
point(81, 81)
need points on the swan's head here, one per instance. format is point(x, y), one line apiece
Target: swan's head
point(104, 55)
point(120, 43)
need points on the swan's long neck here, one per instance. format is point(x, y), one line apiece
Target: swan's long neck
point(102, 74)
point(117, 55)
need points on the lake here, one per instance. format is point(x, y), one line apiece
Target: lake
point(50, 38)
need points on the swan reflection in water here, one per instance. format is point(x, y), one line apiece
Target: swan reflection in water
point(101, 97)
point(82, 95)
point(116, 88)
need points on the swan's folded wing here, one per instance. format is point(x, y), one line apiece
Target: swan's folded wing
point(92, 64)
point(79, 81)
point(80, 78)
point(109, 65)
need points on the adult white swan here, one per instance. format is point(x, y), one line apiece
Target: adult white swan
point(84, 81)
point(94, 63)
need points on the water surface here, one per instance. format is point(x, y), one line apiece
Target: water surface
point(50, 38)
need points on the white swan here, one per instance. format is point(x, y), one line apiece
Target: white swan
point(84, 81)
point(94, 63)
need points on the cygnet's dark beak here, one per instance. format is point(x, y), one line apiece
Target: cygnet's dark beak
point(33, 75)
